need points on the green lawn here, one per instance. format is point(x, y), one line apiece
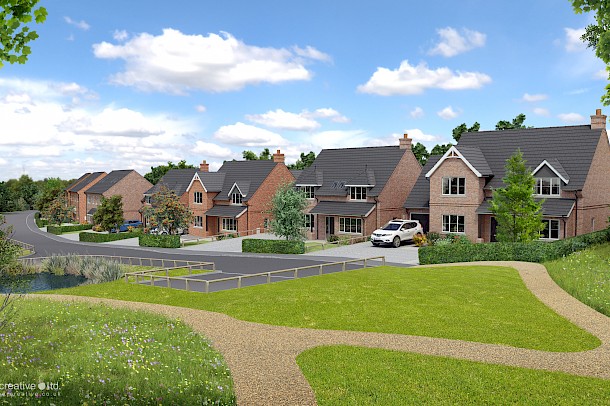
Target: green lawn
point(586, 276)
point(341, 375)
point(474, 303)
point(101, 355)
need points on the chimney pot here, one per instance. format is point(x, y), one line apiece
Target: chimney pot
point(204, 166)
point(405, 142)
point(278, 157)
point(598, 120)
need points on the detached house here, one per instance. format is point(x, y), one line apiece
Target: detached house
point(75, 194)
point(571, 165)
point(127, 183)
point(353, 191)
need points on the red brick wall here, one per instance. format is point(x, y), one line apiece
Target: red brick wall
point(198, 208)
point(260, 202)
point(81, 210)
point(131, 188)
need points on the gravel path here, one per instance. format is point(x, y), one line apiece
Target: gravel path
point(262, 357)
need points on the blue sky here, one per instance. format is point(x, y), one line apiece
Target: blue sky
point(132, 84)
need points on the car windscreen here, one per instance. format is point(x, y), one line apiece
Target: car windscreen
point(391, 226)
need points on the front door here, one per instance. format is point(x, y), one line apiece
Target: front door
point(492, 234)
point(330, 225)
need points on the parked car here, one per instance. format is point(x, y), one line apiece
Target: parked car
point(128, 223)
point(397, 231)
point(158, 231)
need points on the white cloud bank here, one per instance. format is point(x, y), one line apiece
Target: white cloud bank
point(571, 118)
point(453, 43)
point(174, 62)
point(531, 98)
point(448, 113)
point(249, 136)
point(303, 121)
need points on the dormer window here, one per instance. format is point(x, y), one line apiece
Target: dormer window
point(236, 198)
point(357, 192)
point(309, 191)
point(547, 187)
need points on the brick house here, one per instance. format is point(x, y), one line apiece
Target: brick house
point(75, 194)
point(354, 191)
point(127, 183)
point(571, 166)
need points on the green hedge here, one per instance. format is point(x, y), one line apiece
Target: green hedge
point(97, 237)
point(536, 251)
point(40, 223)
point(162, 241)
point(65, 229)
point(272, 246)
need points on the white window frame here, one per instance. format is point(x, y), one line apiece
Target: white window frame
point(309, 191)
point(449, 221)
point(237, 198)
point(198, 222)
point(551, 229)
point(228, 224)
point(308, 221)
point(198, 197)
point(554, 183)
point(350, 225)
point(447, 186)
point(357, 192)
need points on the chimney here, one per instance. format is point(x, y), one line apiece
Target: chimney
point(278, 157)
point(204, 166)
point(598, 120)
point(405, 142)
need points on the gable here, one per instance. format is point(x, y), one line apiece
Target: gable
point(454, 153)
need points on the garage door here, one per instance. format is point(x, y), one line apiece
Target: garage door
point(424, 220)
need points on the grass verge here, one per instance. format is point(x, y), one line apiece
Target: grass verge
point(586, 276)
point(341, 375)
point(100, 355)
point(474, 303)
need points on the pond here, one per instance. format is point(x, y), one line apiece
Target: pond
point(38, 282)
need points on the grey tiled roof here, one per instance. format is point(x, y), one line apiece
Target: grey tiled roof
point(572, 147)
point(86, 181)
point(343, 208)
point(177, 180)
point(558, 167)
point(296, 173)
point(420, 194)
point(109, 181)
point(334, 168)
point(249, 174)
point(226, 211)
point(476, 158)
point(552, 207)
point(212, 180)
point(73, 184)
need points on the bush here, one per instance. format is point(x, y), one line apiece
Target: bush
point(272, 246)
point(332, 238)
point(433, 237)
point(419, 240)
point(57, 230)
point(94, 237)
point(535, 251)
point(96, 270)
point(161, 241)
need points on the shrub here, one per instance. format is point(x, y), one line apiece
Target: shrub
point(161, 241)
point(57, 230)
point(272, 246)
point(433, 237)
point(332, 238)
point(419, 240)
point(94, 269)
point(94, 237)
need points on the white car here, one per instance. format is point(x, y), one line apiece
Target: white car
point(397, 231)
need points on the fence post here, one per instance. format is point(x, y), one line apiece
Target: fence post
point(320, 270)
point(207, 286)
point(343, 267)
point(238, 282)
point(296, 273)
point(169, 283)
point(174, 263)
point(268, 277)
point(152, 280)
point(186, 285)
point(364, 262)
point(383, 261)
point(126, 278)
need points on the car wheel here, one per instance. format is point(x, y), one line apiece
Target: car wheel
point(376, 244)
point(396, 242)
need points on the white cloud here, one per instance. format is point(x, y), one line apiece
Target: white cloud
point(573, 43)
point(601, 74)
point(312, 53)
point(82, 24)
point(418, 135)
point(534, 97)
point(540, 111)
point(208, 149)
point(578, 91)
point(331, 114)
point(120, 35)
point(417, 112)
point(284, 120)
point(453, 43)
point(248, 136)
point(339, 139)
point(408, 79)
point(201, 108)
point(448, 113)
point(571, 118)
point(174, 62)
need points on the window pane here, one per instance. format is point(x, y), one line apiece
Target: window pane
point(446, 186)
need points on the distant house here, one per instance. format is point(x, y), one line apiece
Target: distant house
point(353, 191)
point(571, 166)
point(127, 183)
point(75, 194)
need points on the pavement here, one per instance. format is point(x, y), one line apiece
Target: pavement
point(404, 255)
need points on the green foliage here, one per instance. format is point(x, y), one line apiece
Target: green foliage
point(57, 230)
point(97, 237)
point(421, 153)
point(272, 246)
point(109, 213)
point(305, 161)
point(463, 128)
point(518, 214)
point(512, 125)
point(9, 252)
point(157, 172)
point(265, 155)
point(162, 241)
point(287, 208)
point(440, 149)
point(57, 211)
point(94, 269)
point(167, 211)
point(50, 189)
point(16, 17)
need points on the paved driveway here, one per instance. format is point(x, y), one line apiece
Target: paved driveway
point(406, 254)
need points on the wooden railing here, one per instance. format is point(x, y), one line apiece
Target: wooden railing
point(152, 262)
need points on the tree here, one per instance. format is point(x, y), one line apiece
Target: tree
point(49, 190)
point(287, 209)
point(440, 149)
point(15, 34)
point(421, 153)
point(265, 155)
point(512, 125)
point(305, 161)
point(166, 211)
point(109, 213)
point(462, 128)
point(58, 211)
point(518, 214)
point(9, 265)
point(157, 172)
point(597, 36)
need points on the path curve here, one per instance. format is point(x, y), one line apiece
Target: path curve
point(262, 358)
